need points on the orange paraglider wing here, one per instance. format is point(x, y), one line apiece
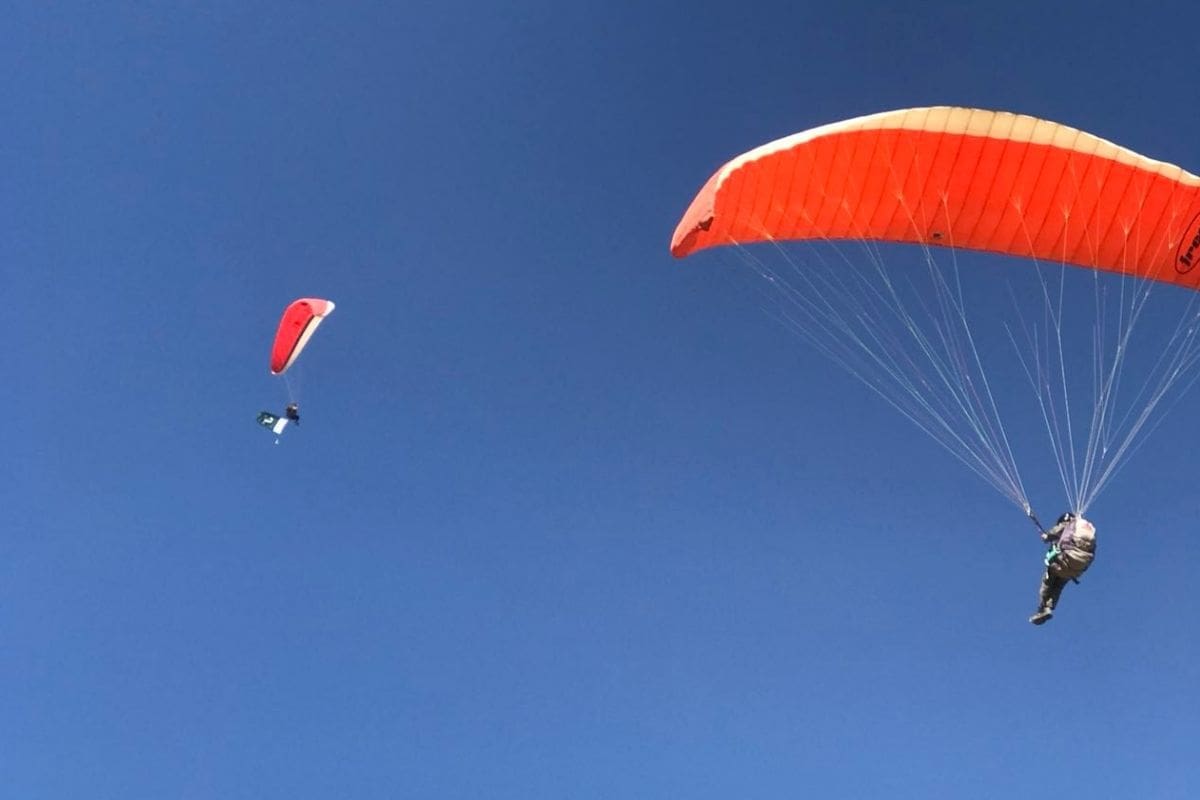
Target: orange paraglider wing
point(959, 177)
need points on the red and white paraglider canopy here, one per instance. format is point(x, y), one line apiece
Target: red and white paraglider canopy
point(299, 321)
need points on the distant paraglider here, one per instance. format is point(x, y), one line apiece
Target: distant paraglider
point(300, 320)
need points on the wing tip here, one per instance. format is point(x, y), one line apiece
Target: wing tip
point(690, 233)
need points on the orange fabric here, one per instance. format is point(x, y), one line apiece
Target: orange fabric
point(990, 192)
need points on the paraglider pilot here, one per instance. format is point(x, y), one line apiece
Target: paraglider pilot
point(292, 412)
point(1072, 541)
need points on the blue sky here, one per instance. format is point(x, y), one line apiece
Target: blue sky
point(565, 517)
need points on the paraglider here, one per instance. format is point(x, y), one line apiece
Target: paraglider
point(1072, 542)
point(953, 179)
point(300, 320)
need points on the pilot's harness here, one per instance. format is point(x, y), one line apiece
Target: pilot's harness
point(1053, 552)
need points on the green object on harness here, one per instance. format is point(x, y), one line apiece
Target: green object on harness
point(1052, 554)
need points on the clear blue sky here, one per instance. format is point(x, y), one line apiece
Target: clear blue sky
point(565, 516)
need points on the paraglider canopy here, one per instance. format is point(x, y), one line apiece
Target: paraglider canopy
point(299, 321)
point(961, 178)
